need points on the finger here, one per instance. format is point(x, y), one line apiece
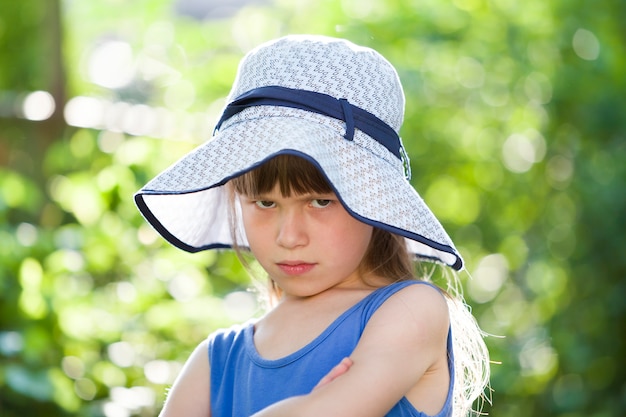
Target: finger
point(336, 372)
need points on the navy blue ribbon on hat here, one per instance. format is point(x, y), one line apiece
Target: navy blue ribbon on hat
point(341, 109)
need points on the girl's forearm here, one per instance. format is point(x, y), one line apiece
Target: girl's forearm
point(290, 407)
point(296, 406)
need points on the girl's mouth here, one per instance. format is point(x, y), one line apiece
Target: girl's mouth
point(295, 268)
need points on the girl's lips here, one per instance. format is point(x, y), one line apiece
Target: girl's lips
point(295, 268)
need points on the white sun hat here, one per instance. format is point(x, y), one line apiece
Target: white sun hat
point(339, 106)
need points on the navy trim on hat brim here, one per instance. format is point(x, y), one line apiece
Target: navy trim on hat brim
point(172, 239)
point(163, 231)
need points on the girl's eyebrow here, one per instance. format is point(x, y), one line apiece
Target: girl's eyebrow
point(299, 197)
point(315, 195)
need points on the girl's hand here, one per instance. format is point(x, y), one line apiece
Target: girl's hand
point(336, 372)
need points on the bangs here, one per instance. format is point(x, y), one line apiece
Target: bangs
point(293, 174)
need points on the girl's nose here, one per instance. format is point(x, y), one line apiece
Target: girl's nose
point(291, 231)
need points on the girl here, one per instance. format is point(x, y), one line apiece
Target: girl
point(308, 173)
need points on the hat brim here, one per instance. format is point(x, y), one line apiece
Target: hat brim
point(188, 205)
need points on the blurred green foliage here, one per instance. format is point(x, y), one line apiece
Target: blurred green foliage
point(516, 130)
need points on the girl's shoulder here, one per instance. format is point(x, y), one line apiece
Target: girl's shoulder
point(225, 337)
point(412, 306)
point(418, 296)
point(414, 293)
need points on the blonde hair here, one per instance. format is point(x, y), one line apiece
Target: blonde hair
point(387, 256)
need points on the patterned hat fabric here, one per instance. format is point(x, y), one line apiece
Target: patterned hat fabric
point(327, 100)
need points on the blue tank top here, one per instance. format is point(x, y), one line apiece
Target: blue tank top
point(242, 382)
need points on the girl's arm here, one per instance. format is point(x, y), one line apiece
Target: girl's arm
point(190, 394)
point(400, 343)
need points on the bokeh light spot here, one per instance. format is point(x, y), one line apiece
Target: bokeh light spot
point(85, 112)
point(26, 234)
point(488, 278)
point(158, 372)
point(586, 45)
point(38, 105)
point(132, 399)
point(122, 354)
point(538, 88)
point(240, 305)
point(521, 151)
point(537, 358)
point(559, 171)
point(85, 389)
point(73, 367)
point(111, 64)
point(126, 292)
point(11, 343)
point(109, 141)
point(147, 235)
point(184, 286)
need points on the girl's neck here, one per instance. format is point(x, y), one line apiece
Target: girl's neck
point(296, 321)
point(364, 284)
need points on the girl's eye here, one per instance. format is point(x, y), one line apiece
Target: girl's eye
point(320, 203)
point(265, 204)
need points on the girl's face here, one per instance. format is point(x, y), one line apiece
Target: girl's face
point(307, 243)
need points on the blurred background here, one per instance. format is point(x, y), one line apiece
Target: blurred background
point(516, 129)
